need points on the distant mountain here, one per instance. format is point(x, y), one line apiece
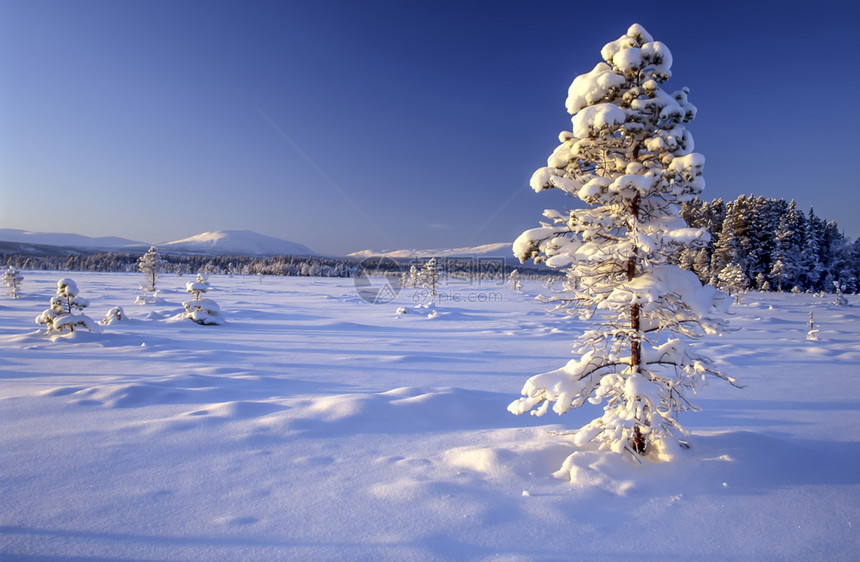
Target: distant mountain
point(67, 240)
point(234, 243)
point(497, 250)
point(218, 243)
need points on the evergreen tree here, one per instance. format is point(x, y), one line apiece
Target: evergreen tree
point(12, 278)
point(149, 264)
point(733, 281)
point(810, 258)
point(63, 312)
point(778, 273)
point(787, 248)
point(429, 278)
point(629, 157)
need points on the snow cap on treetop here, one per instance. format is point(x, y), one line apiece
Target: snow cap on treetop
point(632, 52)
point(67, 287)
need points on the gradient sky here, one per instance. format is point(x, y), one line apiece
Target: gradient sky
point(346, 125)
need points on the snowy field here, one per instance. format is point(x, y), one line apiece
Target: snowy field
point(313, 425)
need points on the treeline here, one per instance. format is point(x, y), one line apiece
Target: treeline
point(463, 268)
point(776, 246)
point(230, 265)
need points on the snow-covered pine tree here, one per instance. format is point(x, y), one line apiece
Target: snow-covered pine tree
point(787, 252)
point(414, 277)
point(733, 281)
point(12, 278)
point(62, 314)
point(149, 264)
point(811, 267)
point(629, 157)
point(429, 279)
point(201, 310)
point(514, 283)
point(838, 299)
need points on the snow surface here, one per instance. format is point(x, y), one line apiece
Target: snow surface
point(313, 425)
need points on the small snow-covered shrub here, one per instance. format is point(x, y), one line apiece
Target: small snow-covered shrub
point(201, 310)
point(514, 283)
point(115, 314)
point(62, 315)
point(12, 279)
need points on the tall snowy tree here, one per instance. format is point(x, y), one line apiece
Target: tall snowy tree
point(788, 241)
point(630, 158)
point(811, 268)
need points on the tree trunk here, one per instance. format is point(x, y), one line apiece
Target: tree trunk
point(635, 343)
point(638, 441)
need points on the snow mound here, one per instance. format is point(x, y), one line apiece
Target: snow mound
point(404, 409)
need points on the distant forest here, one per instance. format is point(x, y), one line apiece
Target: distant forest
point(776, 247)
point(474, 268)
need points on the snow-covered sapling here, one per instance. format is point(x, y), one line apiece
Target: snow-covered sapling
point(62, 314)
point(149, 264)
point(413, 279)
point(12, 278)
point(201, 310)
point(812, 335)
point(514, 283)
point(429, 279)
point(839, 299)
point(631, 160)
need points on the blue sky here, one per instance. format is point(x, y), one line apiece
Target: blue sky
point(396, 124)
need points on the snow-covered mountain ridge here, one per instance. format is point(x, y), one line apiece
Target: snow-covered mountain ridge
point(219, 242)
point(235, 242)
point(66, 240)
point(499, 249)
point(232, 242)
